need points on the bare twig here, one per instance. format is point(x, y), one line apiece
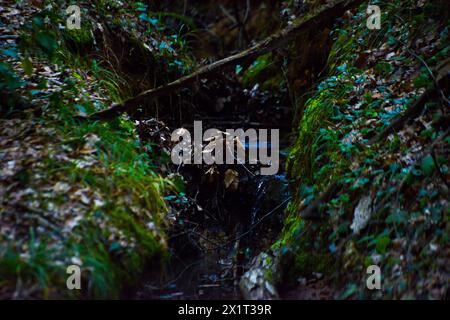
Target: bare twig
point(253, 226)
point(228, 14)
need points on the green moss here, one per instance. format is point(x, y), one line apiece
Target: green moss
point(79, 40)
point(307, 262)
point(263, 70)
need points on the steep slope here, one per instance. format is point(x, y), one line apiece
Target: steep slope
point(368, 192)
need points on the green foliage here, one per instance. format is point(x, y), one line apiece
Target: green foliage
point(255, 72)
point(79, 40)
point(8, 78)
point(9, 83)
point(383, 68)
point(422, 81)
point(331, 149)
point(116, 239)
point(39, 36)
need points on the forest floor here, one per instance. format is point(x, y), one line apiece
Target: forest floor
point(352, 190)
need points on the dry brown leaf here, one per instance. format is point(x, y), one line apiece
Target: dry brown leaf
point(231, 179)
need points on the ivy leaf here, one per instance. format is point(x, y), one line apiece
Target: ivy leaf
point(47, 41)
point(238, 69)
point(81, 109)
point(382, 242)
point(170, 198)
point(332, 247)
point(427, 165)
point(397, 217)
point(12, 53)
point(27, 66)
point(114, 246)
point(422, 81)
point(8, 78)
point(351, 289)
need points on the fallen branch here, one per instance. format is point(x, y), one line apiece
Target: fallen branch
point(323, 17)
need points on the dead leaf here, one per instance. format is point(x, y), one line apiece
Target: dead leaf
point(231, 179)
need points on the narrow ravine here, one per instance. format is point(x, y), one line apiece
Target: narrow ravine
point(222, 227)
point(349, 97)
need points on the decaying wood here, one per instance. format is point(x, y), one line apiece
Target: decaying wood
point(315, 21)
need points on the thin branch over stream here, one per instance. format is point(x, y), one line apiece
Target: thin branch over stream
point(323, 17)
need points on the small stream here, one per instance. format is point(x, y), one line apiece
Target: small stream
point(219, 229)
point(213, 270)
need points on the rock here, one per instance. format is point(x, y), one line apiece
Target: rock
point(363, 212)
point(258, 283)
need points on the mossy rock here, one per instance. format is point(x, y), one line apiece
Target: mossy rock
point(79, 40)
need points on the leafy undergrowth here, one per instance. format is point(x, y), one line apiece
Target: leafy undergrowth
point(73, 192)
point(391, 205)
